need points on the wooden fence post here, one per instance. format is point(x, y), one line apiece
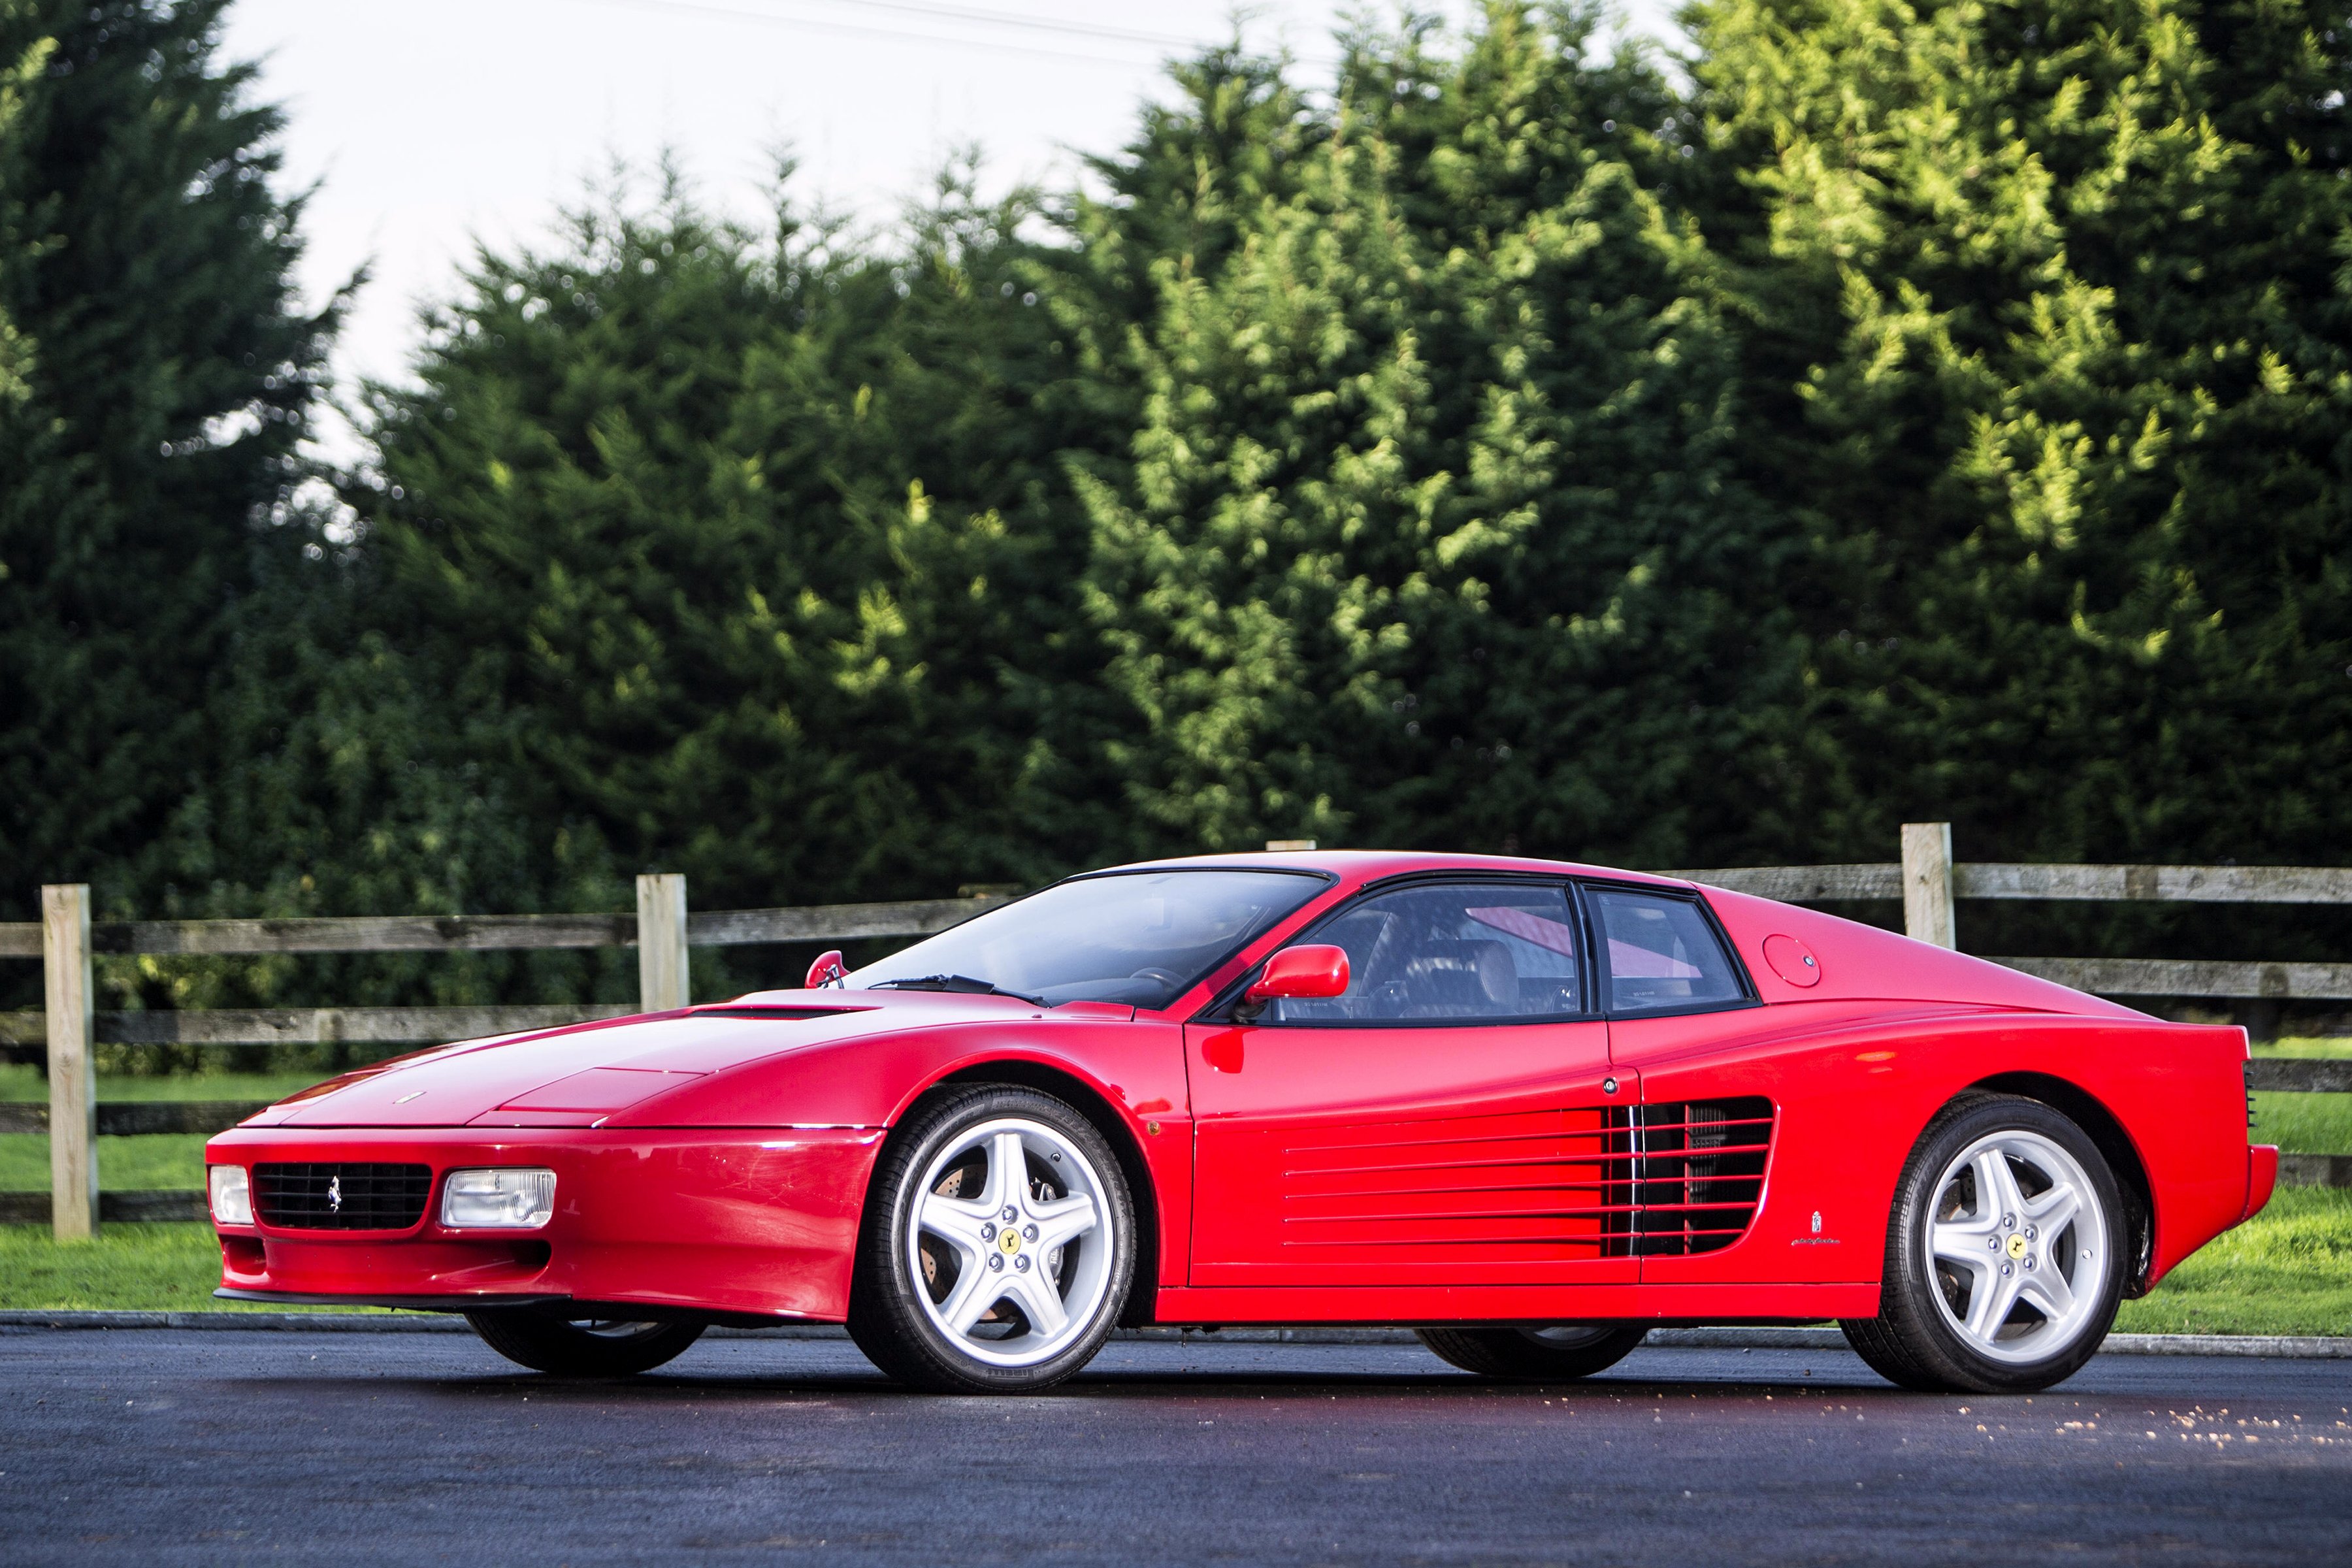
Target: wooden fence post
point(1927, 882)
point(661, 942)
point(73, 1072)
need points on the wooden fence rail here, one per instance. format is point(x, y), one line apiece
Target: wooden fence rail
point(1926, 880)
point(663, 930)
point(139, 1117)
point(2088, 884)
point(2182, 977)
point(311, 1025)
point(502, 933)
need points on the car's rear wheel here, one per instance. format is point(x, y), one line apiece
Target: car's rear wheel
point(1555, 1354)
point(2004, 1253)
point(583, 1347)
point(997, 1247)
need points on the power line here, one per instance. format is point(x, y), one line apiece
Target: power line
point(1014, 19)
point(851, 29)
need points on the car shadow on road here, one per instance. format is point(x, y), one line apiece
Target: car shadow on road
point(668, 1388)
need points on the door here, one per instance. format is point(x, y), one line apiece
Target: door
point(1711, 1112)
point(1445, 1122)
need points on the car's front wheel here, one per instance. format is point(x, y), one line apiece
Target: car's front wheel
point(2004, 1254)
point(583, 1347)
point(1555, 1354)
point(997, 1247)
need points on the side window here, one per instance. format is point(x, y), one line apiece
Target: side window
point(1494, 951)
point(1661, 954)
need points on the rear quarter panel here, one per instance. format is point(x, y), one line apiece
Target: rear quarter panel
point(1856, 1086)
point(1862, 962)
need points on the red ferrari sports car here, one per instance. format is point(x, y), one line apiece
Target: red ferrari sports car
point(1528, 1108)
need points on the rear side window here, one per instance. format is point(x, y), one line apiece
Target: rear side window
point(1489, 952)
point(1661, 954)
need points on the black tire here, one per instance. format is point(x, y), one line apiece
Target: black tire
point(583, 1347)
point(1912, 1343)
point(898, 1332)
point(1558, 1355)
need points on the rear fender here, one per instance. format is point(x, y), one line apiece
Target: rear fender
point(2164, 1101)
point(2115, 1145)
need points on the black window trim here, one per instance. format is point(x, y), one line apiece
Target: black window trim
point(1749, 996)
point(1220, 1006)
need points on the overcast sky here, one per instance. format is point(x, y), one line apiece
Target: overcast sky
point(430, 123)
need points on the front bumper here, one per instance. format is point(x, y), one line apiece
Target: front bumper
point(740, 1221)
point(409, 1303)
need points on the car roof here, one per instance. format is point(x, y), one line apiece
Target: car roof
point(1357, 867)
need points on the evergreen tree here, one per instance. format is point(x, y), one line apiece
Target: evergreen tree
point(2048, 349)
point(1431, 535)
point(740, 556)
point(160, 374)
point(16, 76)
point(1198, 173)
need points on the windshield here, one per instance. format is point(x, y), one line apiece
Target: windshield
point(1143, 938)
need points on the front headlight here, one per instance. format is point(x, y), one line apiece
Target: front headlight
point(498, 1200)
point(232, 1194)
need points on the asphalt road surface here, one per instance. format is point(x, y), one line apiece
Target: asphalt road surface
point(222, 1448)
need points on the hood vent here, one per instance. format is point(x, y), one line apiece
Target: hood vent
point(772, 1014)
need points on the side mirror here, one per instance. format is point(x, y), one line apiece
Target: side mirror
point(827, 971)
point(1308, 973)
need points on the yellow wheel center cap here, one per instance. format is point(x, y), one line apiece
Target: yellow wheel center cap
point(1010, 1240)
point(2016, 1246)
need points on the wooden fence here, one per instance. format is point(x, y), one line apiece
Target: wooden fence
point(661, 930)
point(1926, 881)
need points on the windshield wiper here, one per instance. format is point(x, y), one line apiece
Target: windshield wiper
point(963, 985)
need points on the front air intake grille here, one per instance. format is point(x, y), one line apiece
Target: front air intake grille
point(1698, 1174)
point(342, 1196)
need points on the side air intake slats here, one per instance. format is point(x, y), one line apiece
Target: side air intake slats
point(1698, 1174)
point(1605, 1181)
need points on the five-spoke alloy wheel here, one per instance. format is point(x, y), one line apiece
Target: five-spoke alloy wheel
point(997, 1247)
point(2004, 1257)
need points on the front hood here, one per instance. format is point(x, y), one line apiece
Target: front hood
point(582, 1074)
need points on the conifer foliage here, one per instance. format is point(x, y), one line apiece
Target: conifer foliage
point(1916, 408)
point(1432, 534)
point(156, 372)
point(748, 556)
point(2049, 354)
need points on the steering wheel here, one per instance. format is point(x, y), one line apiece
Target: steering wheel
point(1159, 976)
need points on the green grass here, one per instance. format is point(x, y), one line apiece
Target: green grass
point(163, 1160)
point(2288, 1270)
point(20, 1082)
point(2334, 1048)
point(130, 1267)
point(157, 1160)
point(2305, 1124)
